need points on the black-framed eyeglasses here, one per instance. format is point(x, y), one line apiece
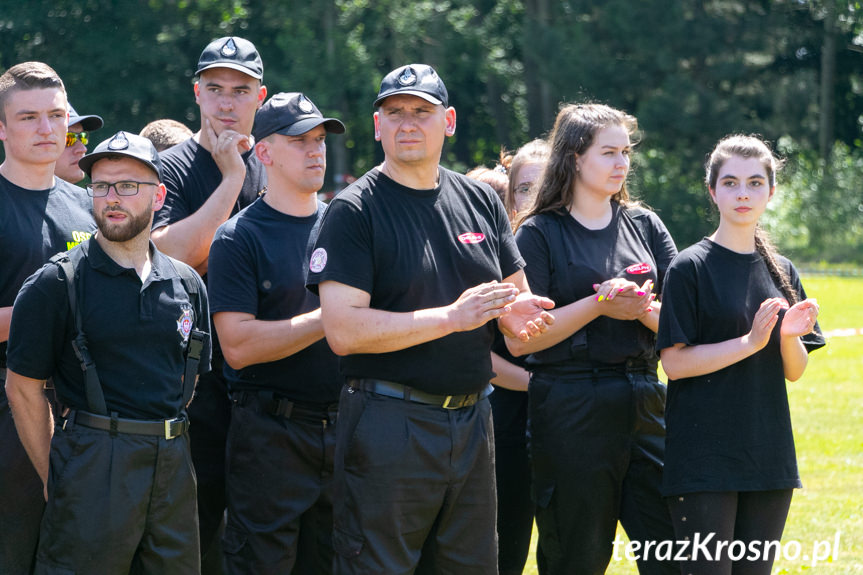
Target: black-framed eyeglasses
point(83, 137)
point(122, 188)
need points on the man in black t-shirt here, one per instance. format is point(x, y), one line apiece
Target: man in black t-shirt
point(40, 215)
point(122, 331)
point(283, 377)
point(412, 263)
point(210, 177)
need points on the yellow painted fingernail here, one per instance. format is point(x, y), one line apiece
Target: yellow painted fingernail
point(600, 297)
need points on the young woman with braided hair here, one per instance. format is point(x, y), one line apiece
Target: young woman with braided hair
point(735, 324)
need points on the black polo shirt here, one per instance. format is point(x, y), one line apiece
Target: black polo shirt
point(137, 333)
point(418, 249)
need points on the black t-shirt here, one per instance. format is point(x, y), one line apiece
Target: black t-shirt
point(418, 249)
point(258, 264)
point(35, 225)
point(190, 175)
point(137, 333)
point(564, 260)
point(729, 430)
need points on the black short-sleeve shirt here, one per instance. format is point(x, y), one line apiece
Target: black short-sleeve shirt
point(418, 249)
point(258, 264)
point(729, 430)
point(564, 260)
point(190, 175)
point(35, 225)
point(137, 333)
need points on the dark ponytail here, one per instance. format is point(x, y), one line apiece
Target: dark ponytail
point(780, 276)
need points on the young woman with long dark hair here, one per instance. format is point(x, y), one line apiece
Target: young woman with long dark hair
point(735, 325)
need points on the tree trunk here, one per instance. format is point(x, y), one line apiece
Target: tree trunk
point(540, 109)
point(828, 80)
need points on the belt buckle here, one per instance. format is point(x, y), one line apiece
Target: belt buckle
point(168, 424)
point(454, 401)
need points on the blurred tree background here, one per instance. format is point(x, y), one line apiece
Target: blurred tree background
point(691, 71)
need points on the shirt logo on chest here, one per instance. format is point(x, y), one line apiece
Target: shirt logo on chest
point(184, 324)
point(471, 238)
point(641, 268)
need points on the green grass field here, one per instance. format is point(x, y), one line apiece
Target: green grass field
point(827, 412)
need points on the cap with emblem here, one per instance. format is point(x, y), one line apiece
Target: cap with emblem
point(232, 52)
point(88, 123)
point(291, 114)
point(124, 144)
point(414, 79)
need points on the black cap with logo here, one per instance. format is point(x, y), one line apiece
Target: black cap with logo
point(291, 114)
point(414, 79)
point(124, 144)
point(231, 52)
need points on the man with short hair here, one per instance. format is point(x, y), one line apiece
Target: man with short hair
point(40, 215)
point(166, 133)
point(77, 137)
point(122, 330)
point(210, 177)
point(413, 261)
point(283, 377)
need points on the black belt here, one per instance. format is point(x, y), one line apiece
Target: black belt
point(397, 390)
point(167, 428)
point(276, 405)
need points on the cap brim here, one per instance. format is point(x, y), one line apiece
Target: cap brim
point(232, 66)
point(86, 163)
point(331, 125)
point(424, 95)
point(88, 123)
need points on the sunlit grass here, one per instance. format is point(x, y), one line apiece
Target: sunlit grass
point(827, 412)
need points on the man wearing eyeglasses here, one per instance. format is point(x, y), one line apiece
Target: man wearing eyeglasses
point(40, 215)
point(210, 177)
point(124, 348)
point(77, 137)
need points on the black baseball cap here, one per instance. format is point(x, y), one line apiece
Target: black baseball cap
point(231, 52)
point(88, 123)
point(414, 79)
point(124, 144)
point(291, 114)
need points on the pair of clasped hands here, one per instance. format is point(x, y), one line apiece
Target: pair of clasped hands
point(520, 315)
point(624, 299)
point(799, 319)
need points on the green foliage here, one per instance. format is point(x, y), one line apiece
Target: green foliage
point(817, 213)
point(692, 71)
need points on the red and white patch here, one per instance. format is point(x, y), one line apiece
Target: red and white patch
point(641, 268)
point(471, 238)
point(184, 324)
point(318, 261)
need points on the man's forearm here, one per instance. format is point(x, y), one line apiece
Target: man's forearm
point(246, 340)
point(33, 418)
point(5, 322)
point(367, 330)
point(188, 240)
